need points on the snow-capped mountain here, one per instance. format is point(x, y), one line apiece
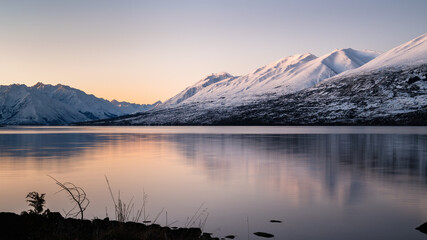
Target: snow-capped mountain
point(391, 89)
point(130, 108)
point(411, 53)
point(196, 88)
point(59, 104)
point(287, 75)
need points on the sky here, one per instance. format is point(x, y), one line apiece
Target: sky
point(143, 51)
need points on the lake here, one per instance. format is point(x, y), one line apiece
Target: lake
point(321, 182)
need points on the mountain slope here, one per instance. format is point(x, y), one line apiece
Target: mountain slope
point(191, 91)
point(59, 104)
point(388, 96)
point(392, 91)
point(130, 108)
point(287, 75)
point(411, 53)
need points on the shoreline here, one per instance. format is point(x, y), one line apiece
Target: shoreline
point(54, 226)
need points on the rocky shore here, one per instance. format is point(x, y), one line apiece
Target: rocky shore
point(53, 226)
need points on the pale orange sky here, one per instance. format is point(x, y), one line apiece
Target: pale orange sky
point(144, 51)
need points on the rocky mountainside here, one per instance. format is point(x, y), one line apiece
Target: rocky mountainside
point(387, 97)
point(391, 89)
point(44, 104)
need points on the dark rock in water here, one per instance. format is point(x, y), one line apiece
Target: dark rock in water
point(275, 221)
point(263, 234)
point(422, 228)
point(230, 236)
point(207, 236)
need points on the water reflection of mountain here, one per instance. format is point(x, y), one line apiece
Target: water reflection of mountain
point(402, 157)
point(270, 159)
point(41, 146)
point(393, 154)
point(384, 154)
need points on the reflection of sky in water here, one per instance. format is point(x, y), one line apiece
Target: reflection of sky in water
point(324, 186)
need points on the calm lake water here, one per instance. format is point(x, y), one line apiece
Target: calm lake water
point(322, 182)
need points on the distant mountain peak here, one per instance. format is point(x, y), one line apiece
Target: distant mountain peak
point(220, 74)
point(299, 55)
point(295, 58)
point(127, 104)
point(44, 85)
point(286, 62)
point(303, 55)
point(214, 78)
point(43, 104)
point(343, 59)
point(38, 85)
point(411, 53)
point(202, 84)
point(343, 50)
point(352, 50)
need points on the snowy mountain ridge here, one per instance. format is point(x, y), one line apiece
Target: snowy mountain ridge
point(389, 90)
point(191, 91)
point(57, 104)
point(411, 53)
point(287, 75)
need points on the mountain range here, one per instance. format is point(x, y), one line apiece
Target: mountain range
point(344, 87)
point(44, 104)
point(286, 75)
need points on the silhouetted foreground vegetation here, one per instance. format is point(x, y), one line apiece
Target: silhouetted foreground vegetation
point(46, 225)
point(41, 223)
point(51, 225)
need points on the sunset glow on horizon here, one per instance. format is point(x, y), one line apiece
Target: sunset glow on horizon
point(145, 51)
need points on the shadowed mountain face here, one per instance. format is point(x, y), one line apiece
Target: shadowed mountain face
point(56, 105)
